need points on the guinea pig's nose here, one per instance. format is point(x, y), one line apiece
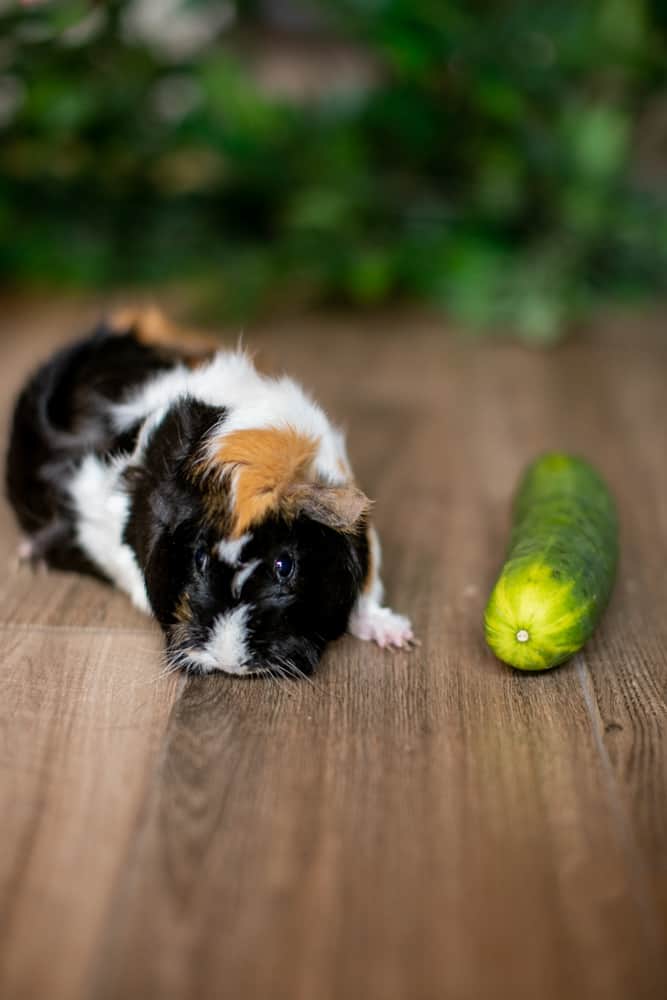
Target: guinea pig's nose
point(222, 584)
point(240, 575)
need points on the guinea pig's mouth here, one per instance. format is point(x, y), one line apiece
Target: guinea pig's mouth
point(229, 646)
point(225, 647)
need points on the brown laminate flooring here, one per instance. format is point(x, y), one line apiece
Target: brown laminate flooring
point(419, 826)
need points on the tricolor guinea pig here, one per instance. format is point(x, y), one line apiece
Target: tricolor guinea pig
point(220, 499)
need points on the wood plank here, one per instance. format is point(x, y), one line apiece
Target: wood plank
point(628, 703)
point(34, 598)
point(415, 850)
point(82, 716)
point(429, 825)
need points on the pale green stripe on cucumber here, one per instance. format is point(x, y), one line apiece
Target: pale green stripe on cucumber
point(560, 565)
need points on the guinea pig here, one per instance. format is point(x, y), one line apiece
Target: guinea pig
point(220, 499)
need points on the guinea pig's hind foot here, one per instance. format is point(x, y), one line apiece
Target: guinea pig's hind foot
point(374, 623)
point(32, 549)
point(26, 554)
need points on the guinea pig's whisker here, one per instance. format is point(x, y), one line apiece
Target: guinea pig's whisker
point(272, 678)
point(277, 673)
point(294, 671)
point(280, 676)
point(168, 669)
point(304, 676)
point(288, 670)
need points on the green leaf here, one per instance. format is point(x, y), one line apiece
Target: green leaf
point(596, 139)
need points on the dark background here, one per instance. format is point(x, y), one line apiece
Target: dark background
point(505, 161)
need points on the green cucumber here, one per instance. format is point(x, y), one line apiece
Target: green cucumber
point(560, 566)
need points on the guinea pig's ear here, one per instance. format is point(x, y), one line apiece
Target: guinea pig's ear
point(343, 508)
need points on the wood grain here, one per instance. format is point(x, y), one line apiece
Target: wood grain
point(82, 714)
point(427, 825)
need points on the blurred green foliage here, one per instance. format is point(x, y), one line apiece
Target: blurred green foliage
point(505, 159)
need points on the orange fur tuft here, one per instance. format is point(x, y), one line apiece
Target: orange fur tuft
point(267, 462)
point(151, 327)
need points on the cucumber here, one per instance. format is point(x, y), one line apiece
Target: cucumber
point(560, 566)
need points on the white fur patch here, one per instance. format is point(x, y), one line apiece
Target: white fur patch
point(376, 589)
point(153, 395)
point(101, 507)
point(229, 550)
point(251, 401)
point(241, 577)
point(226, 649)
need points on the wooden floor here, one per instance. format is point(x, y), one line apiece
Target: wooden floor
point(407, 827)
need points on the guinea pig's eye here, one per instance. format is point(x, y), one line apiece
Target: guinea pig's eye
point(201, 557)
point(283, 567)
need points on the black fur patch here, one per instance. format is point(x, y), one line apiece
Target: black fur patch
point(58, 419)
point(291, 623)
point(166, 509)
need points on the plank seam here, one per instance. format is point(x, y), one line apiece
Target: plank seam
point(624, 834)
point(109, 630)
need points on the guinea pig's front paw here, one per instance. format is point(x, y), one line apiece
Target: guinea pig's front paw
point(374, 623)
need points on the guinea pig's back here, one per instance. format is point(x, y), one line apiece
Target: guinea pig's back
point(60, 416)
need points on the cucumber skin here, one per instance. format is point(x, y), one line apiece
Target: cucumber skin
point(560, 566)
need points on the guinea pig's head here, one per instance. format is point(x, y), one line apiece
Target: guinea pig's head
point(252, 563)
